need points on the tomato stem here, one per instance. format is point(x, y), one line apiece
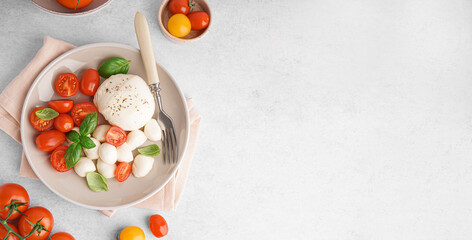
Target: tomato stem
point(10, 230)
point(76, 5)
point(13, 206)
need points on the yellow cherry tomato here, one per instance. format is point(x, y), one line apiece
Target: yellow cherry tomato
point(179, 25)
point(132, 233)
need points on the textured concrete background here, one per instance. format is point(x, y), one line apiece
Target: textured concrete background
point(321, 119)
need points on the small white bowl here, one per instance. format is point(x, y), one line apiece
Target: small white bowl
point(53, 7)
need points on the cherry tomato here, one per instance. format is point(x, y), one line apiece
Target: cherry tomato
point(80, 110)
point(115, 136)
point(158, 225)
point(179, 25)
point(199, 20)
point(180, 6)
point(132, 233)
point(61, 236)
point(63, 122)
point(61, 106)
point(3, 232)
point(58, 161)
point(9, 192)
point(67, 85)
point(74, 4)
point(89, 82)
point(50, 140)
point(122, 171)
point(38, 123)
point(33, 215)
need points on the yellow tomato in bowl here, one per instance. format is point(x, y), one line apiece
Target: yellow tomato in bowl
point(179, 25)
point(132, 233)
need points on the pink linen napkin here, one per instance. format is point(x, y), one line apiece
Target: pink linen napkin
point(11, 102)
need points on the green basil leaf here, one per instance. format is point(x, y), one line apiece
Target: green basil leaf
point(114, 66)
point(47, 114)
point(150, 151)
point(72, 155)
point(74, 136)
point(96, 182)
point(86, 142)
point(88, 124)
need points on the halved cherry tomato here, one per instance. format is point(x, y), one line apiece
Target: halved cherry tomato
point(38, 123)
point(122, 171)
point(50, 140)
point(180, 6)
point(74, 4)
point(58, 161)
point(67, 85)
point(63, 122)
point(9, 192)
point(115, 136)
point(3, 232)
point(34, 215)
point(80, 110)
point(61, 236)
point(89, 82)
point(158, 225)
point(61, 106)
point(199, 20)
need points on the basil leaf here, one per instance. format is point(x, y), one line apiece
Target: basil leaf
point(150, 151)
point(74, 136)
point(86, 142)
point(96, 182)
point(47, 114)
point(114, 66)
point(88, 124)
point(72, 155)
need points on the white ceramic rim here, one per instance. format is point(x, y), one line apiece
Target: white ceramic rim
point(79, 14)
point(61, 57)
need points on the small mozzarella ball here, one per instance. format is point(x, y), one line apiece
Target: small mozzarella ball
point(107, 170)
point(125, 154)
point(107, 153)
point(142, 165)
point(100, 132)
point(135, 139)
point(84, 166)
point(152, 130)
point(93, 152)
point(73, 129)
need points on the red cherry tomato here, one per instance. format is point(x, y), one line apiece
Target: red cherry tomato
point(74, 4)
point(80, 110)
point(89, 82)
point(58, 161)
point(61, 236)
point(122, 171)
point(63, 122)
point(38, 123)
point(9, 192)
point(67, 85)
point(115, 136)
point(50, 140)
point(33, 215)
point(3, 232)
point(158, 225)
point(180, 6)
point(199, 20)
point(61, 106)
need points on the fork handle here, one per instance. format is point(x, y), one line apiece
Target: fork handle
point(144, 42)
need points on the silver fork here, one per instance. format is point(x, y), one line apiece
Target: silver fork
point(169, 140)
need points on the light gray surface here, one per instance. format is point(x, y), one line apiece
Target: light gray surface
point(321, 119)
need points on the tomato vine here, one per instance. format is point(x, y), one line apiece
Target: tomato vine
point(13, 207)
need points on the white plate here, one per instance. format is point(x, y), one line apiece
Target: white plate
point(69, 185)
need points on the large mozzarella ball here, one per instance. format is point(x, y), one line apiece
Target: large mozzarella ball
point(107, 153)
point(84, 166)
point(152, 130)
point(107, 170)
point(93, 152)
point(135, 139)
point(125, 153)
point(100, 132)
point(142, 165)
